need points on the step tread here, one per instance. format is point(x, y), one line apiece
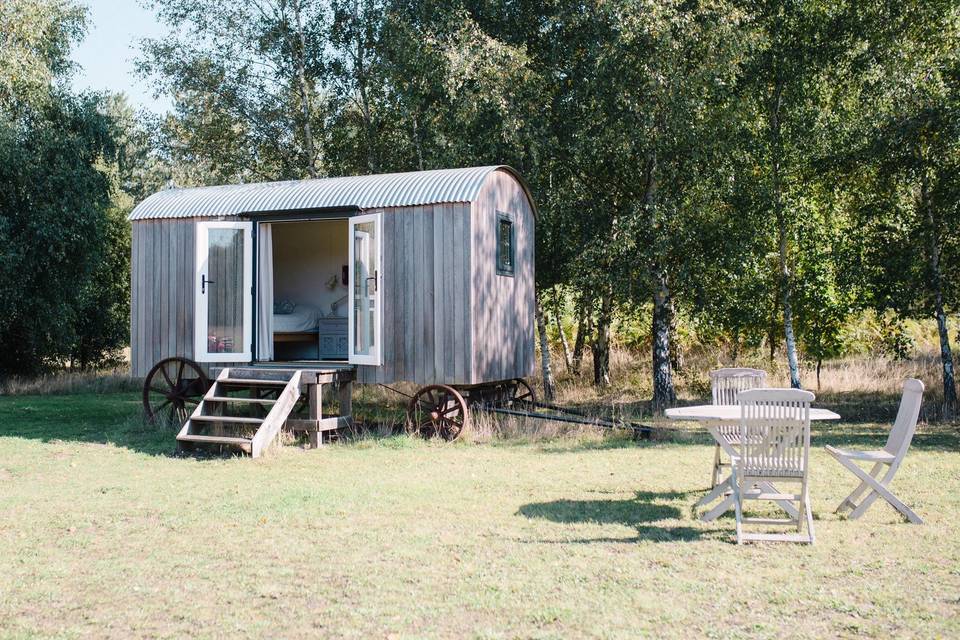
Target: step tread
point(237, 419)
point(190, 437)
point(240, 399)
point(253, 382)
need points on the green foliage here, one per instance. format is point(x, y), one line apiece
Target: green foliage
point(51, 212)
point(63, 270)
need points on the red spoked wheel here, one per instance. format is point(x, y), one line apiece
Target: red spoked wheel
point(172, 389)
point(437, 410)
point(523, 394)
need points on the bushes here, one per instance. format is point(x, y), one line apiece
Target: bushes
point(58, 272)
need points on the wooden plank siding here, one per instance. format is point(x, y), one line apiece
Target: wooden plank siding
point(503, 322)
point(426, 296)
point(161, 292)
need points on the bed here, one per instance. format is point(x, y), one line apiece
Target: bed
point(297, 326)
point(306, 334)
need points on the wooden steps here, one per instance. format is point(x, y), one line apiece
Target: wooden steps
point(209, 414)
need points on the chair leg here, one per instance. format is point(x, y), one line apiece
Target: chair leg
point(807, 513)
point(850, 502)
point(738, 509)
point(716, 466)
point(878, 490)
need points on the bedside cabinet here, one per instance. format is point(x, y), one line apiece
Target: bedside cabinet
point(333, 338)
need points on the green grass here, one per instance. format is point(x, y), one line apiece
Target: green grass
point(104, 534)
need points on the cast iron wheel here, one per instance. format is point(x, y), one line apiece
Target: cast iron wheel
point(437, 410)
point(523, 394)
point(172, 389)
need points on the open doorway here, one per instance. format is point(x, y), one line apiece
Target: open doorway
point(303, 300)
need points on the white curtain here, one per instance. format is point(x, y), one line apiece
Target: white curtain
point(265, 291)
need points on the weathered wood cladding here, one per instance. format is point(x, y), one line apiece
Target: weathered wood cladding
point(161, 292)
point(502, 322)
point(427, 336)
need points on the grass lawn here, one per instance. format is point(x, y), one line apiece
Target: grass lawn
point(104, 534)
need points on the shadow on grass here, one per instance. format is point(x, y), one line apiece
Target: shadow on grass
point(96, 418)
point(640, 513)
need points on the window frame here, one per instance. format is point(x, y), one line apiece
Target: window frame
point(502, 217)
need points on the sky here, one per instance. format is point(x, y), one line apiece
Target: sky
point(106, 55)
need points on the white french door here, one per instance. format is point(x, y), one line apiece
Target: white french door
point(223, 315)
point(366, 280)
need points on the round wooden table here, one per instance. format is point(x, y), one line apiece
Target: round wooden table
point(714, 416)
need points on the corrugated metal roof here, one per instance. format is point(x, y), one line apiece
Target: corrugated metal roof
point(361, 192)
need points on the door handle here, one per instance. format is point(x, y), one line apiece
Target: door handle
point(204, 282)
point(374, 278)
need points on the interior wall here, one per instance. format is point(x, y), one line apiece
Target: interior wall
point(305, 257)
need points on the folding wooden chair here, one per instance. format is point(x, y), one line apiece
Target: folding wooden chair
point(890, 457)
point(725, 384)
point(774, 448)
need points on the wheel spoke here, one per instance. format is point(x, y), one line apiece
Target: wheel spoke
point(180, 373)
point(450, 408)
point(166, 376)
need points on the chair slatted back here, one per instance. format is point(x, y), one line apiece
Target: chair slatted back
point(774, 432)
point(907, 415)
point(726, 383)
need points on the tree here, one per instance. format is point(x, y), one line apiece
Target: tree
point(244, 81)
point(903, 164)
point(657, 73)
point(53, 195)
point(788, 86)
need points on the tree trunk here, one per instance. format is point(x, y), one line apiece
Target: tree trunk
point(664, 394)
point(772, 337)
point(362, 89)
point(549, 387)
point(782, 236)
point(580, 341)
point(936, 285)
point(601, 341)
point(416, 142)
point(304, 89)
point(676, 353)
point(563, 335)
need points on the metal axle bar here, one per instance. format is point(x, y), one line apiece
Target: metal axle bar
point(574, 418)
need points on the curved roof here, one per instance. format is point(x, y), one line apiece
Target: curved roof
point(353, 192)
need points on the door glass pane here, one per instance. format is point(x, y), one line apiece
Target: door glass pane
point(224, 289)
point(365, 269)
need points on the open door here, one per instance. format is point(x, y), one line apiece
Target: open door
point(366, 278)
point(224, 299)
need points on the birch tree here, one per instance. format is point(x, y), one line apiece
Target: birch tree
point(245, 78)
